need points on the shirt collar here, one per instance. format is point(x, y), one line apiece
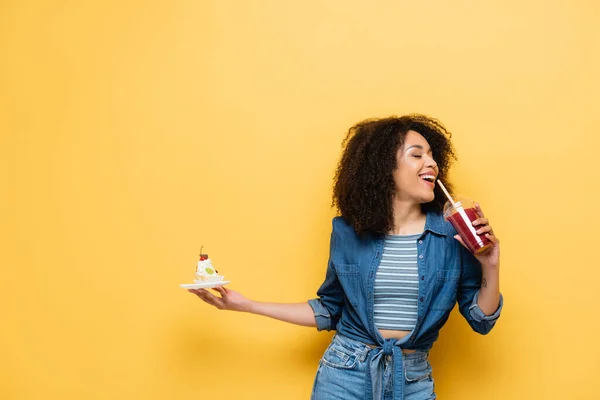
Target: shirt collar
point(435, 223)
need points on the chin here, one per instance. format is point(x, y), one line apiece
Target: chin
point(427, 199)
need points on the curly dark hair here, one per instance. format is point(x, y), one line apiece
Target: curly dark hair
point(364, 186)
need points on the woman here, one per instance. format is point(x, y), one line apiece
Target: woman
point(396, 268)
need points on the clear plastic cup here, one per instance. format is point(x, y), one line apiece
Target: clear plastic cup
point(461, 218)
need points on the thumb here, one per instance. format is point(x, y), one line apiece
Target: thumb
point(221, 290)
point(460, 240)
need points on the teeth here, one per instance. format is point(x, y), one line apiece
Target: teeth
point(429, 178)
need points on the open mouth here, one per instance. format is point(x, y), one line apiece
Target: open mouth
point(428, 178)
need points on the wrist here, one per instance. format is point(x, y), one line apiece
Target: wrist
point(491, 266)
point(251, 307)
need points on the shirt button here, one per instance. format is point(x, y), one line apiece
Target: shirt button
point(421, 257)
point(422, 277)
point(420, 242)
point(422, 299)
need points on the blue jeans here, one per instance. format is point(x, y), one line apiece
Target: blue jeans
point(344, 373)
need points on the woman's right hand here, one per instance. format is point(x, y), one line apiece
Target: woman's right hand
point(229, 300)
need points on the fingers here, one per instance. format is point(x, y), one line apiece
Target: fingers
point(481, 221)
point(492, 238)
point(200, 293)
point(222, 291)
point(208, 298)
point(484, 229)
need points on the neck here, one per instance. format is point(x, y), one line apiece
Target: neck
point(409, 219)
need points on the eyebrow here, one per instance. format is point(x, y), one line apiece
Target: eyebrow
point(418, 146)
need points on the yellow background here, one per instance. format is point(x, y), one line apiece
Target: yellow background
point(134, 132)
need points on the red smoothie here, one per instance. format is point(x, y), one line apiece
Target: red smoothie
point(462, 223)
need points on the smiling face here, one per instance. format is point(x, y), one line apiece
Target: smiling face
point(416, 170)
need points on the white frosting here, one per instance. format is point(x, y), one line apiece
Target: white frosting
point(202, 265)
point(206, 276)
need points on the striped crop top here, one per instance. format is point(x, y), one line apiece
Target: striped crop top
point(397, 284)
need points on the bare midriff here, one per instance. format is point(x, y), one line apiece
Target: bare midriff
point(389, 334)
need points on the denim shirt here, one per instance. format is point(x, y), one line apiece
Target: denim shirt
point(448, 273)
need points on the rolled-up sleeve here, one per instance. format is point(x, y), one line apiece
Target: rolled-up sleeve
point(327, 307)
point(322, 315)
point(478, 315)
point(468, 293)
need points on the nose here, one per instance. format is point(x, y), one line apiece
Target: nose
point(430, 162)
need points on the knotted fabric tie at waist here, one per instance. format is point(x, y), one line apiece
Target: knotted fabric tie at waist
point(376, 360)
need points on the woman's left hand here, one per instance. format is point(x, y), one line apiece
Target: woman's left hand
point(490, 258)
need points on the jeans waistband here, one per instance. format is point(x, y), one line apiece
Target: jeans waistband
point(376, 357)
point(358, 345)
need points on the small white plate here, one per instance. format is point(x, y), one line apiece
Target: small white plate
point(205, 285)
